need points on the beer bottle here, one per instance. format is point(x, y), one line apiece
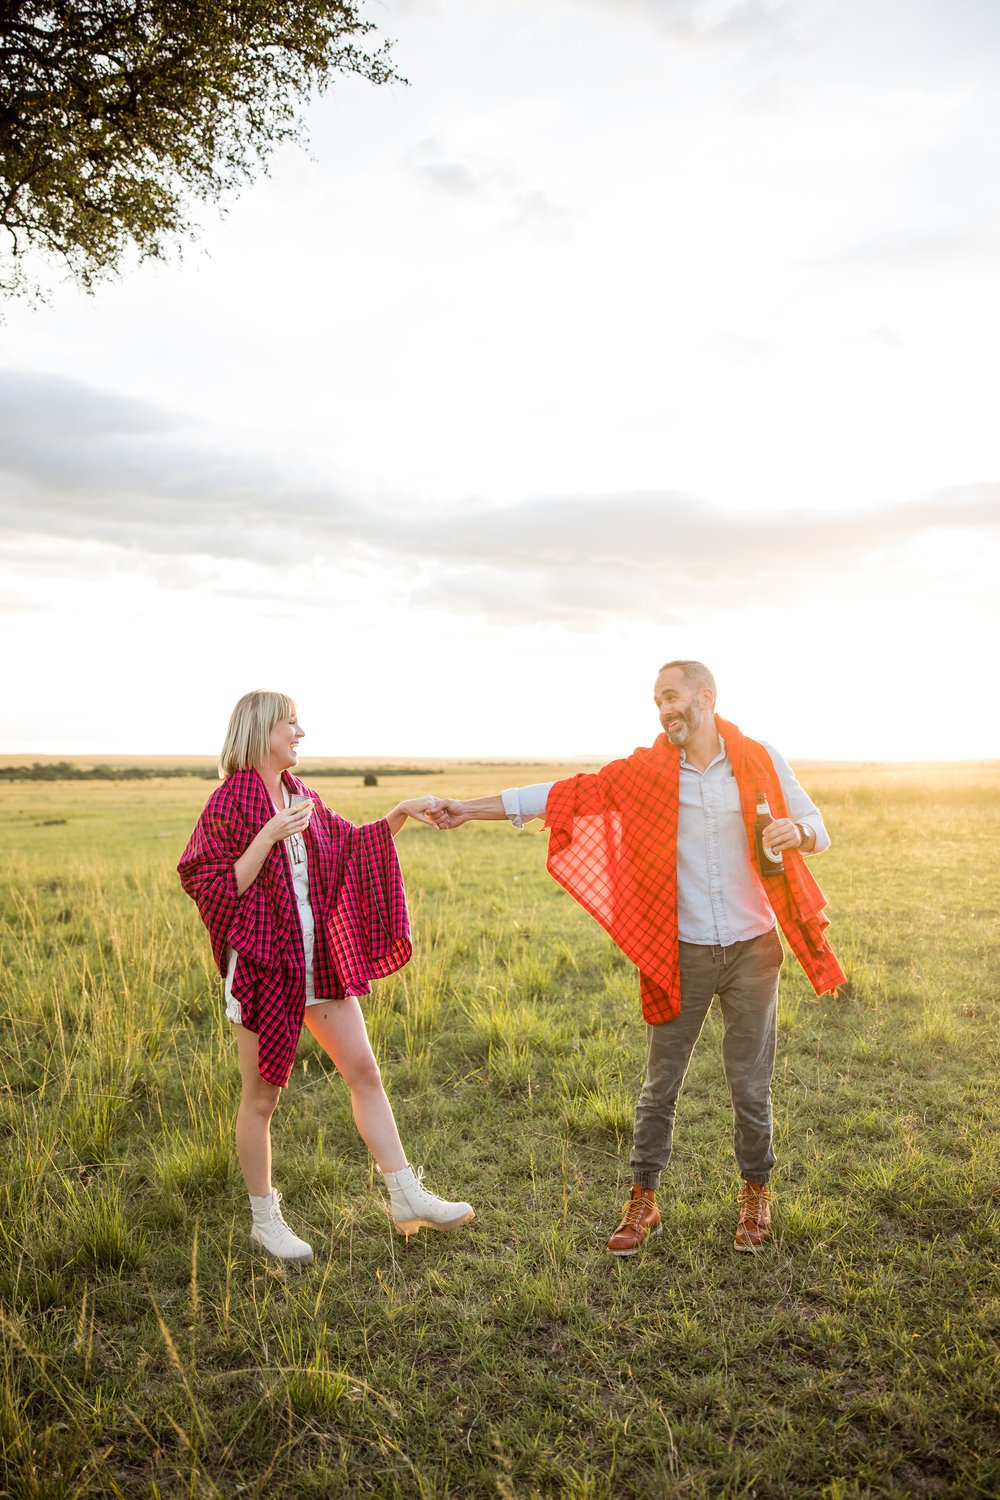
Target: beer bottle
point(769, 861)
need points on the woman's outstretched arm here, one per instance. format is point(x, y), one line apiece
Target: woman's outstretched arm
point(414, 807)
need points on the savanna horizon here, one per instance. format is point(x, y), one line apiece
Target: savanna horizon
point(430, 763)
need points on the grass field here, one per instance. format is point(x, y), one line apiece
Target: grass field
point(145, 1351)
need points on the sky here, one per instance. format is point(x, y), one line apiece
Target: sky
point(626, 331)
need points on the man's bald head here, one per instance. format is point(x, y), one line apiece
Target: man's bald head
point(696, 675)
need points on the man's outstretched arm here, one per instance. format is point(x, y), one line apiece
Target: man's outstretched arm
point(519, 804)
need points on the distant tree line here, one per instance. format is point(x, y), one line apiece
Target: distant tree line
point(64, 770)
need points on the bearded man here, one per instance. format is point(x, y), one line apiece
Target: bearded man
point(660, 849)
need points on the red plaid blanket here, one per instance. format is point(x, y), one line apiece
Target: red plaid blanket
point(355, 889)
point(613, 846)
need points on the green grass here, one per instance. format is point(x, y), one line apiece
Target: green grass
point(145, 1351)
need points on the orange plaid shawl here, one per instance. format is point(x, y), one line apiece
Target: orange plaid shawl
point(613, 846)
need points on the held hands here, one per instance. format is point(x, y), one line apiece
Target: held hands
point(450, 813)
point(438, 812)
point(423, 809)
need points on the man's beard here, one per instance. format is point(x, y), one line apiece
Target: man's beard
point(690, 720)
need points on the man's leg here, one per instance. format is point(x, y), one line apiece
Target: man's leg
point(670, 1047)
point(748, 994)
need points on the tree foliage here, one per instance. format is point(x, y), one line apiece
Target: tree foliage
point(116, 116)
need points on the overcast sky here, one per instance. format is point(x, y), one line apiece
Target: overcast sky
point(629, 330)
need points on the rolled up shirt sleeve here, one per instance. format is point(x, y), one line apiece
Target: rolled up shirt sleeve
point(522, 803)
point(801, 807)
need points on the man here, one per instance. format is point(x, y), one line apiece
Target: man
point(660, 849)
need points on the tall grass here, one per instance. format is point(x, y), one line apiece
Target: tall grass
point(145, 1351)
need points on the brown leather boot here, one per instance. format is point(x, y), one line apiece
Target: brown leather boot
point(755, 1217)
point(641, 1219)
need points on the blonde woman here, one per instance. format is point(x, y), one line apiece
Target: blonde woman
point(304, 910)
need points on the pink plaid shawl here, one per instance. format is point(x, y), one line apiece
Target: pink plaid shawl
point(356, 892)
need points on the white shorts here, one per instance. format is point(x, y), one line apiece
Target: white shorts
point(233, 1012)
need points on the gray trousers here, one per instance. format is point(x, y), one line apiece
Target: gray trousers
point(745, 978)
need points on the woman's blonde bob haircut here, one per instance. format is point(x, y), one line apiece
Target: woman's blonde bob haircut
point(248, 738)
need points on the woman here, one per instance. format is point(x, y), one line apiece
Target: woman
point(304, 910)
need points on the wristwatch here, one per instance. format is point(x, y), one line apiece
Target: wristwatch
point(804, 833)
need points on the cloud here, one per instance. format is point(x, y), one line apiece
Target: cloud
point(745, 347)
point(715, 18)
point(535, 210)
point(886, 338)
point(429, 163)
point(19, 605)
point(587, 560)
point(917, 250)
point(79, 464)
point(746, 24)
point(490, 183)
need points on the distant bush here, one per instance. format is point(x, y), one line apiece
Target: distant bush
point(64, 770)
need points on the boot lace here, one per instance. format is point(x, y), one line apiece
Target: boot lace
point(633, 1212)
point(419, 1191)
point(754, 1200)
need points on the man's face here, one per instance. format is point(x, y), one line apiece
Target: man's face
point(681, 710)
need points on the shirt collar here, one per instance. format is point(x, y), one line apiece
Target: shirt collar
point(721, 756)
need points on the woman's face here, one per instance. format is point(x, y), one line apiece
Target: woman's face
point(284, 744)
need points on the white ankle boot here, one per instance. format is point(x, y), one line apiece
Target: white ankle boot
point(272, 1234)
point(414, 1207)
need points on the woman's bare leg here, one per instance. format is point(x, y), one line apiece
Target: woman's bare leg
point(339, 1027)
point(258, 1101)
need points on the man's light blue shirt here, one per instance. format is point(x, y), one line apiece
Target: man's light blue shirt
point(719, 897)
